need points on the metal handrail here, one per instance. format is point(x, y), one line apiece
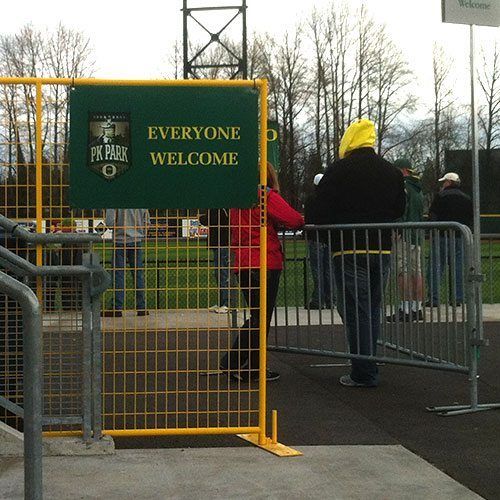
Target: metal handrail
point(96, 280)
point(15, 229)
point(22, 267)
point(32, 373)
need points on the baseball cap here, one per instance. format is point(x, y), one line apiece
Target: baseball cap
point(450, 176)
point(317, 179)
point(402, 163)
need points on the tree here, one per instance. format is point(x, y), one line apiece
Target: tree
point(292, 93)
point(442, 103)
point(389, 96)
point(489, 116)
point(31, 53)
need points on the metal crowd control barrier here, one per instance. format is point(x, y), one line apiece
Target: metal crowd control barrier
point(94, 281)
point(415, 305)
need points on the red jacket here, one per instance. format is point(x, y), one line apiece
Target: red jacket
point(245, 232)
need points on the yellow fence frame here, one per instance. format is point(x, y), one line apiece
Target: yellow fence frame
point(260, 84)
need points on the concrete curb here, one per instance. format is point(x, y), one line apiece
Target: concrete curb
point(12, 445)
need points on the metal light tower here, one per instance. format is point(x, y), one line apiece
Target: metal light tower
point(237, 63)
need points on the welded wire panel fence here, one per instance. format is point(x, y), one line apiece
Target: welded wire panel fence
point(11, 359)
point(17, 200)
point(33, 186)
point(398, 293)
point(173, 312)
point(63, 340)
point(490, 263)
point(174, 326)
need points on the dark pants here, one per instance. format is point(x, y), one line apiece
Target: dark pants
point(446, 252)
point(133, 255)
point(360, 281)
point(222, 273)
point(320, 257)
point(245, 350)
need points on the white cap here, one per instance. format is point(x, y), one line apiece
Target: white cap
point(450, 176)
point(317, 178)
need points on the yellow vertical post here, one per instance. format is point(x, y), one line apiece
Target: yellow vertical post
point(38, 181)
point(263, 263)
point(274, 427)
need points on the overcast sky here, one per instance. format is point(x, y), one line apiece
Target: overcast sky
point(131, 40)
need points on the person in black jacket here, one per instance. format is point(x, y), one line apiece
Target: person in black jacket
point(217, 221)
point(360, 188)
point(450, 204)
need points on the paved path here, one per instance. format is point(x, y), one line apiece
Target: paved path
point(161, 319)
point(334, 472)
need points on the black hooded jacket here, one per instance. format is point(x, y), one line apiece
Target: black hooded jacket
point(362, 188)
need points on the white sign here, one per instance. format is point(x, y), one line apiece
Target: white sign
point(99, 227)
point(191, 228)
point(81, 225)
point(477, 12)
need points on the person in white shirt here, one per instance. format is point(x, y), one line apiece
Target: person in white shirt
point(129, 231)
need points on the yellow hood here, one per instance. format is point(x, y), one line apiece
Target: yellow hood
point(360, 134)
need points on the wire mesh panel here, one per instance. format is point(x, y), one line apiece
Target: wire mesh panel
point(171, 315)
point(33, 176)
point(174, 310)
point(17, 200)
point(63, 341)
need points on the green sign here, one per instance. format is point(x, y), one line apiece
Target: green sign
point(273, 147)
point(163, 147)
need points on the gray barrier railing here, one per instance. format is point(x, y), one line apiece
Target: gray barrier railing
point(94, 281)
point(414, 306)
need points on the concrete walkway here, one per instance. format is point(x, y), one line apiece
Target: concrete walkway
point(333, 472)
point(162, 319)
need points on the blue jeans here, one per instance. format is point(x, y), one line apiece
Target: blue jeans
point(132, 254)
point(222, 273)
point(446, 251)
point(360, 281)
point(320, 261)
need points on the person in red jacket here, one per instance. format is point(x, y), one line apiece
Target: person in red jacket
point(242, 361)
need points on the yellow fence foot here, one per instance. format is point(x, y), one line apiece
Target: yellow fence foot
point(276, 448)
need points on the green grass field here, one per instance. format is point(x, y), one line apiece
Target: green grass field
point(179, 276)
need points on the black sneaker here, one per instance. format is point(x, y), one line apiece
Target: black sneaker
point(238, 377)
point(347, 381)
point(417, 315)
point(398, 317)
point(313, 305)
point(245, 377)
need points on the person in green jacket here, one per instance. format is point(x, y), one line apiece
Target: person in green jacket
point(408, 254)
